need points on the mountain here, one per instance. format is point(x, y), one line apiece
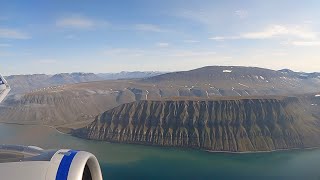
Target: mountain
point(25, 83)
point(219, 73)
point(73, 103)
point(301, 75)
point(66, 78)
point(58, 105)
point(236, 81)
point(255, 124)
point(129, 75)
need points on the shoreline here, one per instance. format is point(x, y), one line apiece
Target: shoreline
point(257, 152)
point(208, 151)
point(203, 150)
point(43, 125)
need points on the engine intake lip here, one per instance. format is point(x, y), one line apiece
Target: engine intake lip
point(84, 165)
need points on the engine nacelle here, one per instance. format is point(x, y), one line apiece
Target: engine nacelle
point(28, 162)
point(4, 88)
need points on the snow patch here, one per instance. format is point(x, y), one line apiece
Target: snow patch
point(147, 92)
point(103, 92)
point(317, 95)
point(262, 77)
point(91, 91)
point(243, 85)
point(227, 71)
point(235, 91)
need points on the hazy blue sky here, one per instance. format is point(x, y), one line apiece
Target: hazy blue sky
point(164, 35)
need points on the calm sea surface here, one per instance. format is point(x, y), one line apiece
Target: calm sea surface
point(123, 161)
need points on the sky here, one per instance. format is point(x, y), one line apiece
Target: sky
point(42, 36)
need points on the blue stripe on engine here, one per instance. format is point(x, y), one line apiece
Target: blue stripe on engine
point(63, 170)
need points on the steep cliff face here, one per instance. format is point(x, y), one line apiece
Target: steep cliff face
point(218, 125)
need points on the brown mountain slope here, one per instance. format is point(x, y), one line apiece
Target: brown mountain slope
point(64, 104)
point(59, 105)
point(219, 125)
point(239, 80)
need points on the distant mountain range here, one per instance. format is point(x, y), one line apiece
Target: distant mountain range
point(301, 75)
point(27, 83)
point(205, 75)
point(235, 73)
point(235, 81)
point(129, 75)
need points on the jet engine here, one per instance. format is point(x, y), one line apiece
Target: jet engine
point(34, 163)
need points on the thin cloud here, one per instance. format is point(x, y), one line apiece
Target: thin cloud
point(222, 38)
point(280, 30)
point(162, 44)
point(78, 22)
point(201, 16)
point(306, 43)
point(47, 61)
point(5, 54)
point(6, 33)
point(193, 53)
point(273, 31)
point(70, 36)
point(208, 17)
point(5, 45)
point(308, 22)
point(123, 52)
point(241, 13)
point(190, 41)
point(279, 53)
point(149, 27)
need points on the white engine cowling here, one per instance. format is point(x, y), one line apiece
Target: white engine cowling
point(4, 88)
point(21, 162)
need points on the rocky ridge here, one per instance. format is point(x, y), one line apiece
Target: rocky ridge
point(216, 125)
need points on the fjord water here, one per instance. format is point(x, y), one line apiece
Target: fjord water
point(124, 161)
